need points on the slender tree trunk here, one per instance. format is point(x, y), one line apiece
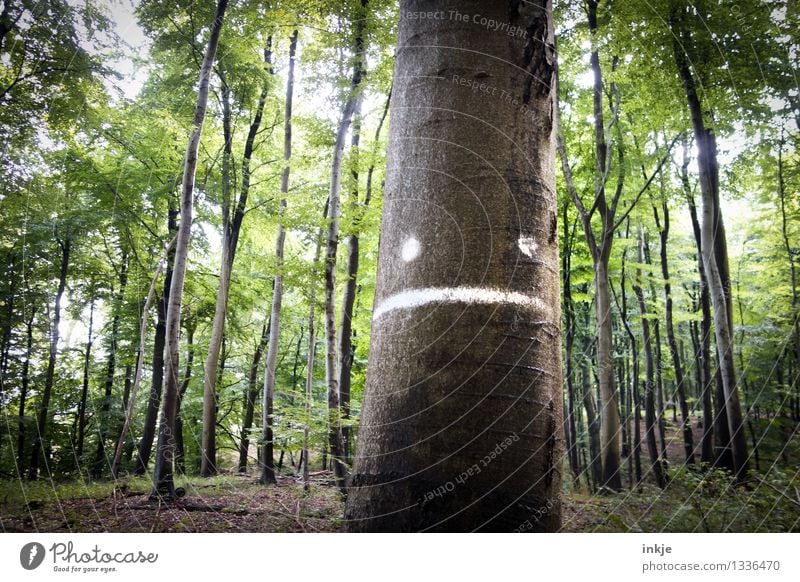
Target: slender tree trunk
point(569, 327)
point(231, 227)
point(250, 399)
point(85, 389)
point(592, 422)
point(466, 395)
point(130, 405)
point(649, 387)
point(714, 251)
point(309, 394)
point(23, 393)
point(180, 451)
point(672, 342)
point(349, 109)
point(159, 345)
point(267, 462)
point(790, 254)
point(637, 406)
point(100, 459)
point(709, 431)
point(163, 481)
point(39, 441)
point(346, 347)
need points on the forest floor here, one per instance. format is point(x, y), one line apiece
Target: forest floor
point(694, 500)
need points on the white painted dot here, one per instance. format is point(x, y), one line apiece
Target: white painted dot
point(528, 246)
point(410, 250)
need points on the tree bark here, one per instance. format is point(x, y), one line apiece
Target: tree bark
point(39, 441)
point(465, 355)
point(267, 461)
point(163, 481)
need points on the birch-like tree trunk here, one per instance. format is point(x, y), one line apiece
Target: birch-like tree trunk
point(714, 244)
point(163, 481)
point(267, 461)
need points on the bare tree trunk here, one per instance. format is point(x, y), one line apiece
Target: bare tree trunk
point(349, 109)
point(462, 372)
point(267, 461)
point(85, 389)
point(672, 342)
point(650, 418)
point(39, 441)
point(163, 481)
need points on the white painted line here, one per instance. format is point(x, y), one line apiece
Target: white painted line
point(474, 295)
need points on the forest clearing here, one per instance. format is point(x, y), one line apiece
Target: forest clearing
point(381, 266)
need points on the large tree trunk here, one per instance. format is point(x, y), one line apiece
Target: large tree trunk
point(714, 251)
point(163, 481)
point(39, 441)
point(672, 342)
point(267, 461)
point(159, 344)
point(100, 459)
point(87, 358)
point(349, 109)
point(650, 417)
point(461, 424)
point(231, 227)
